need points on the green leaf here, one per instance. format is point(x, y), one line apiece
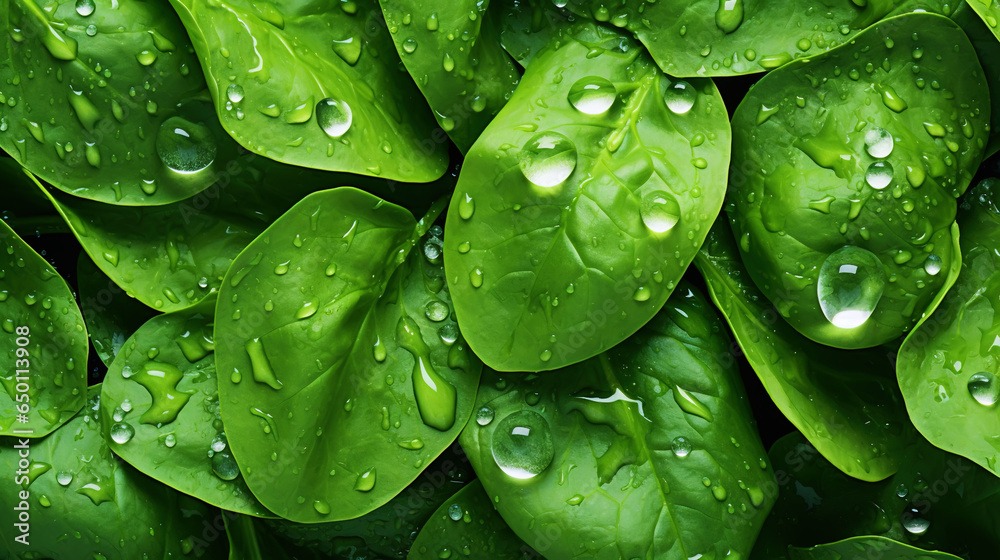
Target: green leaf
point(863, 548)
point(452, 51)
point(987, 47)
point(92, 103)
point(648, 450)
point(314, 84)
point(629, 167)
point(44, 346)
point(526, 26)
point(725, 38)
point(845, 170)
point(389, 531)
point(26, 210)
point(335, 336)
point(854, 415)
point(162, 392)
point(83, 502)
point(989, 11)
point(937, 501)
point(947, 366)
point(468, 524)
point(111, 316)
point(250, 539)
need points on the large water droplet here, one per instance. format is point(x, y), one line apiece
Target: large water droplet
point(436, 397)
point(548, 159)
point(680, 97)
point(160, 381)
point(522, 444)
point(878, 142)
point(484, 416)
point(334, 117)
point(660, 211)
point(260, 365)
point(365, 481)
point(592, 95)
point(850, 285)
point(879, 175)
point(933, 265)
point(185, 147)
point(914, 522)
point(85, 7)
point(224, 466)
point(729, 16)
point(681, 447)
point(122, 432)
point(985, 388)
point(436, 310)
point(64, 478)
point(235, 93)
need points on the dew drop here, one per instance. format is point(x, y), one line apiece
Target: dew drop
point(522, 444)
point(321, 507)
point(878, 142)
point(681, 447)
point(224, 466)
point(64, 478)
point(365, 481)
point(592, 95)
point(436, 310)
point(547, 159)
point(235, 93)
point(680, 97)
point(334, 117)
point(85, 7)
point(455, 512)
point(932, 265)
point(660, 211)
point(985, 388)
point(879, 175)
point(170, 440)
point(185, 147)
point(850, 285)
point(122, 432)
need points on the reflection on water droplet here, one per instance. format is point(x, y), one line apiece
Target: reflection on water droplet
point(321, 507)
point(547, 159)
point(850, 285)
point(235, 93)
point(224, 466)
point(85, 7)
point(334, 117)
point(985, 388)
point(170, 440)
point(878, 142)
point(122, 432)
point(436, 310)
point(879, 175)
point(64, 478)
point(592, 95)
point(484, 416)
point(729, 16)
point(365, 481)
point(913, 522)
point(680, 97)
point(660, 211)
point(522, 444)
point(932, 265)
point(681, 447)
point(185, 147)
point(455, 512)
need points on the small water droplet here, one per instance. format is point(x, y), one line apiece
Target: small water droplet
point(592, 95)
point(466, 207)
point(64, 478)
point(878, 142)
point(484, 416)
point(850, 285)
point(455, 512)
point(932, 265)
point(660, 211)
point(321, 507)
point(122, 432)
point(680, 97)
point(235, 93)
point(436, 310)
point(985, 388)
point(170, 440)
point(334, 117)
point(548, 159)
point(365, 481)
point(914, 522)
point(681, 447)
point(224, 466)
point(522, 444)
point(85, 7)
point(879, 175)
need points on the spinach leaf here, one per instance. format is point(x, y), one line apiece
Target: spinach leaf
point(528, 25)
point(947, 365)
point(84, 502)
point(467, 524)
point(855, 416)
point(111, 316)
point(937, 501)
point(862, 548)
point(342, 370)
point(160, 410)
point(713, 38)
point(582, 204)
point(845, 170)
point(389, 531)
point(452, 52)
point(314, 84)
point(988, 49)
point(648, 450)
point(101, 99)
point(989, 11)
point(44, 343)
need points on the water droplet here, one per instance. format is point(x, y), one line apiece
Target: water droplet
point(484, 416)
point(122, 432)
point(185, 147)
point(729, 16)
point(660, 211)
point(878, 142)
point(850, 285)
point(235, 93)
point(476, 277)
point(334, 117)
point(261, 365)
point(914, 523)
point(455, 512)
point(448, 333)
point(466, 207)
point(681, 447)
point(224, 466)
point(522, 444)
point(436, 397)
point(146, 57)
point(64, 478)
point(160, 381)
point(91, 30)
point(932, 265)
point(547, 159)
point(592, 95)
point(321, 507)
point(85, 7)
point(365, 481)
point(985, 388)
point(409, 45)
point(170, 440)
point(436, 310)
point(879, 175)
point(680, 97)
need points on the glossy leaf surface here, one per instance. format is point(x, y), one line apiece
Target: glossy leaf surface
point(867, 547)
point(44, 343)
point(648, 450)
point(314, 84)
point(331, 324)
point(111, 316)
point(582, 204)
point(845, 169)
